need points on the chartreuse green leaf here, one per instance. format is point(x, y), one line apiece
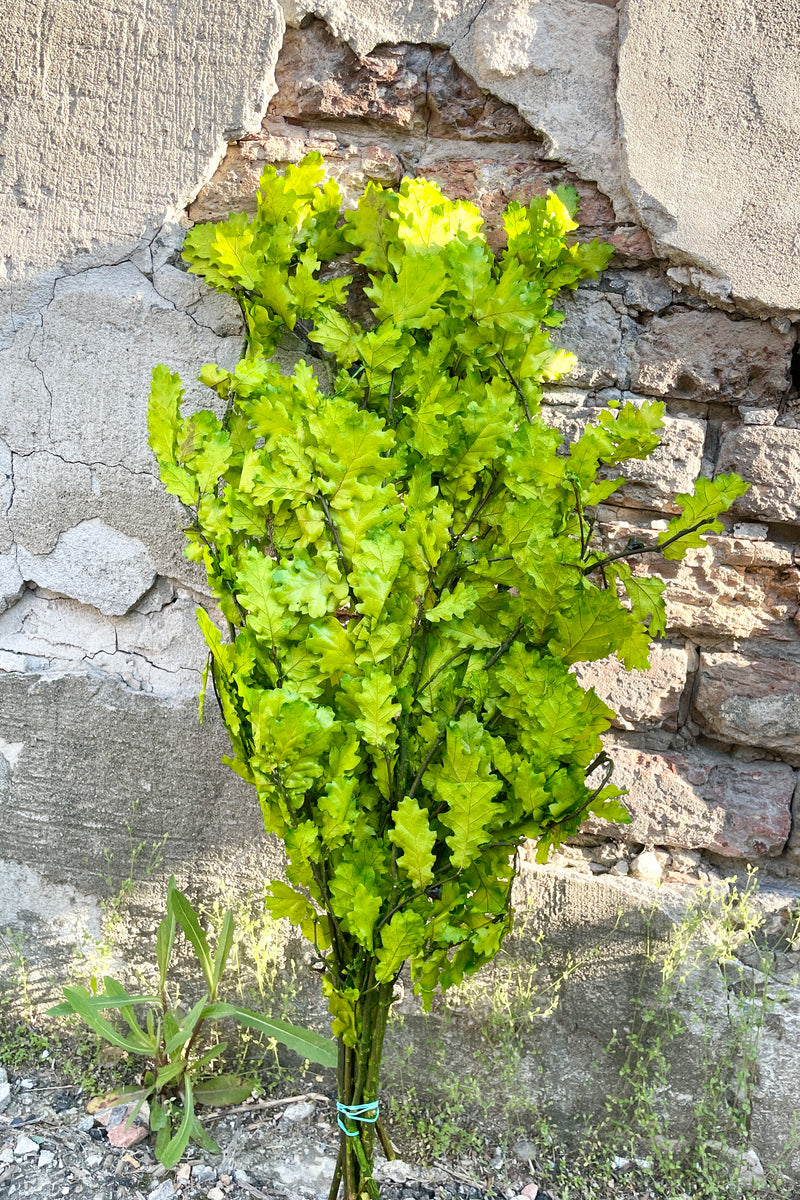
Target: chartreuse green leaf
point(163, 413)
point(173, 1150)
point(463, 782)
point(165, 937)
point(412, 834)
point(645, 593)
point(223, 1090)
point(700, 511)
point(402, 937)
point(79, 1002)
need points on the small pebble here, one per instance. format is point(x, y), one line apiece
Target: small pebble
point(86, 1124)
point(46, 1158)
point(163, 1192)
point(620, 867)
point(26, 1083)
point(646, 867)
point(299, 1112)
point(202, 1173)
point(24, 1145)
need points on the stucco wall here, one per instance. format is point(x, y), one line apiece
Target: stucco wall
point(126, 121)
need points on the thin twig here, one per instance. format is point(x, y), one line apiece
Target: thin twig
point(263, 1104)
point(253, 1191)
point(329, 521)
point(516, 387)
point(458, 536)
point(391, 396)
point(579, 507)
point(657, 549)
point(438, 671)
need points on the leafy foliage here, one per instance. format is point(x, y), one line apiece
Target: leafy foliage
point(401, 550)
point(168, 1037)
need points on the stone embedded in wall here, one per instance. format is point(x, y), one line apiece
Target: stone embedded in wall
point(727, 589)
point(94, 564)
point(592, 331)
point(750, 700)
point(768, 458)
point(642, 699)
point(414, 88)
point(673, 467)
point(352, 162)
point(702, 801)
point(733, 587)
point(708, 356)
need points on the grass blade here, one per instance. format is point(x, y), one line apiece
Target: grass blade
point(186, 917)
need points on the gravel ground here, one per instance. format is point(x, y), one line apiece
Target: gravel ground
point(55, 1143)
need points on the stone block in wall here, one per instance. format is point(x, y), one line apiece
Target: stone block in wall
point(641, 699)
point(732, 587)
point(351, 161)
point(701, 800)
point(754, 701)
point(592, 331)
point(769, 458)
point(406, 87)
point(493, 177)
point(709, 356)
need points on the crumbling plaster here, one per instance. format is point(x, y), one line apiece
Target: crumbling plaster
point(709, 105)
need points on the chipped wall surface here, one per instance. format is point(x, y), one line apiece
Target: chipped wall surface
point(125, 122)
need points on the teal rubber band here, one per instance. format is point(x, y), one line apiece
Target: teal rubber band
point(367, 1114)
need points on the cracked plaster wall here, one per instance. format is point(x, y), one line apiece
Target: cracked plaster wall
point(125, 121)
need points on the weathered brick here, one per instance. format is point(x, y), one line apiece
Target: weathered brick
point(411, 88)
point(641, 699)
point(709, 356)
point(750, 700)
point(703, 801)
point(769, 458)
